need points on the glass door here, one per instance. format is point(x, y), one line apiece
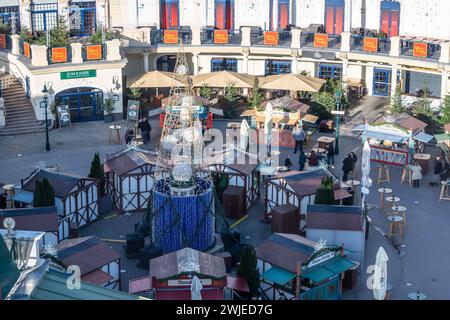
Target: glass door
point(381, 82)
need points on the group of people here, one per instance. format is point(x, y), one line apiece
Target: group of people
point(144, 127)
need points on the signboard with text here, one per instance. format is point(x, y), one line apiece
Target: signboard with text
point(3, 41)
point(171, 36)
point(94, 52)
point(420, 50)
point(321, 40)
point(221, 36)
point(370, 44)
point(59, 55)
point(26, 50)
point(78, 74)
point(64, 115)
point(133, 110)
point(271, 38)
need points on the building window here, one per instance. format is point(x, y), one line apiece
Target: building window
point(277, 67)
point(6, 14)
point(330, 71)
point(283, 14)
point(334, 16)
point(82, 18)
point(224, 15)
point(223, 64)
point(170, 14)
point(390, 18)
point(43, 16)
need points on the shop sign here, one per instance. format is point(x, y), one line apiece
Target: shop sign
point(187, 282)
point(64, 115)
point(94, 52)
point(78, 74)
point(26, 50)
point(321, 40)
point(370, 44)
point(3, 41)
point(133, 110)
point(171, 36)
point(221, 36)
point(59, 55)
point(320, 259)
point(271, 38)
point(420, 50)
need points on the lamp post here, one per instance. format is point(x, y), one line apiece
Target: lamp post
point(44, 104)
point(338, 96)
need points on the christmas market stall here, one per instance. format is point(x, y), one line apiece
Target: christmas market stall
point(44, 219)
point(296, 189)
point(338, 225)
point(129, 178)
point(99, 264)
point(76, 197)
point(177, 275)
point(301, 269)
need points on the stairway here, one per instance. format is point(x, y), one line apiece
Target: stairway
point(19, 113)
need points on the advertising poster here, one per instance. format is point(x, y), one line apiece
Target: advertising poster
point(321, 40)
point(94, 52)
point(133, 110)
point(221, 36)
point(59, 55)
point(171, 36)
point(271, 38)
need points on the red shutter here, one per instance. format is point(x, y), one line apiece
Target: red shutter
point(394, 23)
point(209, 121)
point(161, 120)
point(385, 22)
point(174, 15)
point(230, 16)
point(220, 15)
point(164, 15)
point(329, 22)
point(284, 15)
point(339, 20)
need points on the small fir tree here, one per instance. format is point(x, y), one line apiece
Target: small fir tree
point(205, 92)
point(135, 93)
point(37, 195)
point(325, 194)
point(396, 105)
point(44, 194)
point(231, 93)
point(97, 172)
point(445, 111)
point(248, 269)
point(255, 98)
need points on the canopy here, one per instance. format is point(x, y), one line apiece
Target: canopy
point(423, 137)
point(222, 79)
point(197, 100)
point(329, 269)
point(278, 276)
point(383, 132)
point(310, 118)
point(156, 79)
point(288, 103)
point(443, 137)
point(292, 82)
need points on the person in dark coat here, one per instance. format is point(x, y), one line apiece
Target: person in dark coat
point(302, 161)
point(288, 163)
point(130, 135)
point(145, 128)
point(313, 161)
point(348, 165)
point(438, 167)
point(330, 154)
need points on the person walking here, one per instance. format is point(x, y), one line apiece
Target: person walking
point(302, 161)
point(330, 154)
point(347, 166)
point(288, 163)
point(145, 128)
point(313, 161)
point(416, 175)
point(299, 137)
point(438, 167)
point(355, 159)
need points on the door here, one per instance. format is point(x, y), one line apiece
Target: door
point(334, 17)
point(83, 106)
point(381, 82)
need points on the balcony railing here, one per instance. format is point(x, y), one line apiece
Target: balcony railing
point(369, 44)
point(5, 42)
point(417, 49)
point(58, 55)
point(327, 41)
point(211, 36)
point(25, 49)
point(93, 52)
point(170, 37)
point(259, 37)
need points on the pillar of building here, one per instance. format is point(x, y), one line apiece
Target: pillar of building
point(275, 15)
point(145, 61)
point(113, 50)
point(246, 39)
point(25, 14)
point(15, 48)
point(346, 38)
point(196, 36)
point(77, 56)
point(38, 55)
point(195, 63)
point(295, 34)
point(395, 47)
point(245, 54)
point(348, 16)
point(445, 52)
point(444, 83)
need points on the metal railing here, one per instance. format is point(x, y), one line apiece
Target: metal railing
point(22, 45)
point(51, 59)
point(407, 49)
point(7, 45)
point(84, 52)
point(234, 37)
point(157, 36)
point(307, 40)
point(257, 37)
point(357, 44)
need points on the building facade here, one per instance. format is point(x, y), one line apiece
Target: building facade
point(377, 43)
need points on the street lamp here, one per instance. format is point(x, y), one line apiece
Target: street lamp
point(338, 97)
point(44, 104)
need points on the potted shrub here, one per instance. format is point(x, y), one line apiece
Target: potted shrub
point(108, 108)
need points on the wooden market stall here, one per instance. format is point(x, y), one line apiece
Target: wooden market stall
point(43, 219)
point(297, 189)
point(338, 225)
point(171, 276)
point(129, 178)
point(99, 264)
point(76, 198)
point(300, 268)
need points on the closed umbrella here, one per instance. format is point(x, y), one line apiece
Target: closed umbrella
point(380, 275)
point(366, 182)
point(268, 127)
point(291, 82)
point(196, 287)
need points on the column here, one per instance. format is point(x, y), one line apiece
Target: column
point(294, 64)
point(38, 55)
point(369, 80)
point(394, 78)
point(444, 84)
point(346, 38)
point(245, 54)
point(344, 70)
point(395, 47)
point(25, 14)
point(275, 15)
point(145, 61)
point(348, 16)
point(445, 52)
point(77, 56)
point(113, 50)
point(195, 63)
point(196, 36)
point(245, 33)
point(15, 39)
point(295, 34)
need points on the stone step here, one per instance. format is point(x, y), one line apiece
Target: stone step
point(14, 132)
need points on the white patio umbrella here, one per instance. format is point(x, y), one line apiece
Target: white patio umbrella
point(380, 275)
point(196, 287)
point(366, 182)
point(268, 126)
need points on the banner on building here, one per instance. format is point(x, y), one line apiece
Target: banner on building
point(221, 36)
point(94, 52)
point(171, 36)
point(271, 38)
point(420, 50)
point(3, 41)
point(370, 44)
point(26, 50)
point(59, 55)
point(321, 40)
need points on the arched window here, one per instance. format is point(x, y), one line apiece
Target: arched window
point(334, 16)
point(169, 14)
point(390, 18)
point(224, 15)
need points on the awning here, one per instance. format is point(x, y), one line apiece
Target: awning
point(444, 137)
point(329, 269)
point(339, 265)
point(249, 113)
point(278, 276)
point(423, 137)
point(23, 196)
point(318, 274)
point(237, 283)
point(97, 277)
point(310, 118)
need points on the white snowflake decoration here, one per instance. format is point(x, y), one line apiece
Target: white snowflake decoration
point(50, 250)
point(320, 245)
